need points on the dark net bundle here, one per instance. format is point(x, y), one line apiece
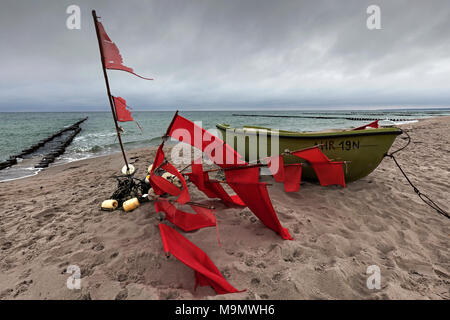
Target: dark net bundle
point(129, 187)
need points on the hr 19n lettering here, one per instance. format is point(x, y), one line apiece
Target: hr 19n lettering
point(344, 145)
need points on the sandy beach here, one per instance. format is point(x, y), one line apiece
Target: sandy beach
point(53, 220)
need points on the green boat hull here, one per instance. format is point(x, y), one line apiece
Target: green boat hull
point(362, 150)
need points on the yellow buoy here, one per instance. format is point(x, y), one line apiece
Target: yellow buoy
point(109, 205)
point(130, 204)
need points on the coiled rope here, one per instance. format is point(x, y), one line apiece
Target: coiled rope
point(128, 187)
point(426, 199)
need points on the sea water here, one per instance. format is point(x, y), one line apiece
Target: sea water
point(19, 130)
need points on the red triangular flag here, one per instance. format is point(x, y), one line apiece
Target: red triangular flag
point(313, 155)
point(292, 175)
point(122, 112)
point(217, 150)
point(187, 221)
point(212, 189)
point(243, 175)
point(328, 172)
point(111, 54)
point(161, 185)
point(254, 194)
point(372, 125)
point(276, 167)
point(206, 273)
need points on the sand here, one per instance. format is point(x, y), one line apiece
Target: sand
point(52, 220)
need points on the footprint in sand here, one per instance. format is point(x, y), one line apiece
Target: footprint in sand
point(5, 293)
point(6, 245)
point(22, 287)
point(98, 247)
point(122, 295)
point(255, 281)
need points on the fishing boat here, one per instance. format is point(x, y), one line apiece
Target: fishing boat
point(361, 150)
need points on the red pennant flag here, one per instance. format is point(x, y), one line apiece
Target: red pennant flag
point(313, 155)
point(216, 149)
point(276, 167)
point(159, 158)
point(212, 189)
point(254, 194)
point(293, 175)
point(111, 54)
point(187, 221)
point(161, 185)
point(184, 195)
point(372, 125)
point(200, 176)
point(122, 112)
point(243, 175)
point(206, 273)
point(328, 172)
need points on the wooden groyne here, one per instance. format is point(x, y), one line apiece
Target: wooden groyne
point(67, 134)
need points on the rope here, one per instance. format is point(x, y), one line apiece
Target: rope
point(128, 187)
point(404, 147)
point(426, 199)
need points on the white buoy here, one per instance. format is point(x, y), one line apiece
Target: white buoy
point(168, 176)
point(109, 205)
point(129, 171)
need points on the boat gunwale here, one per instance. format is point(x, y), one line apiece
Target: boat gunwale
point(330, 135)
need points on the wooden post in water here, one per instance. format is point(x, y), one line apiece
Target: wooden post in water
point(111, 103)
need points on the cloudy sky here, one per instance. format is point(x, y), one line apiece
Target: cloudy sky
point(227, 54)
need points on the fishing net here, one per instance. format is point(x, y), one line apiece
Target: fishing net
point(129, 187)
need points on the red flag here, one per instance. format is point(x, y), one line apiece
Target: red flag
point(276, 167)
point(161, 185)
point(184, 195)
point(122, 112)
point(206, 273)
point(328, 172)
point(159, 158)
point(186, 221)
point(372, 125)
point(254, 194)
point(293, 175)
point(313, 155)
point(243, 175)
point(111, 54)
point(212, 189)
point(217, 150)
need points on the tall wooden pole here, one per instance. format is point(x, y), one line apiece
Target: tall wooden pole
point(111, 103)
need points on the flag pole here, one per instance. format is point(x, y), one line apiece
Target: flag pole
point(111, 103)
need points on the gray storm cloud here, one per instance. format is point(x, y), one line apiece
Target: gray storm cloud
point(227, 54)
